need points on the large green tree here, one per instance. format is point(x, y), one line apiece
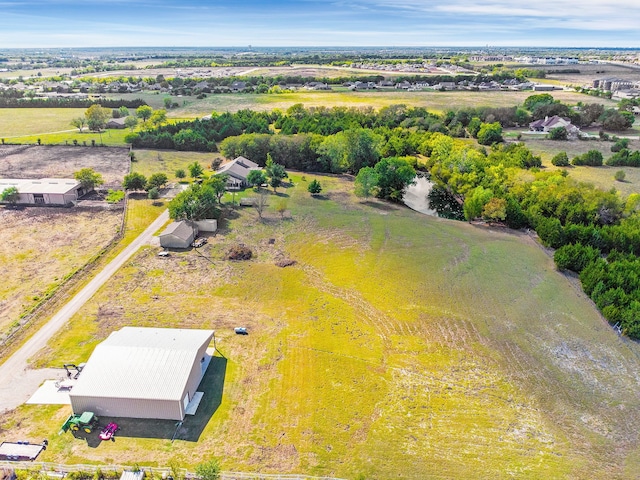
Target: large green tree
point(88, 178)
point(275, 172)
point(144, 112)
point(366, 182)
point(394, 174)
point(350, 150)
point(219, 185)
point(134, 181)
point(97, 117)
point(197, 202)
point(156, 180)
point(490, 133)
point(255, 178)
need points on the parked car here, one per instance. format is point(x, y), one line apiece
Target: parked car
point(241, 331)
point(198, 242)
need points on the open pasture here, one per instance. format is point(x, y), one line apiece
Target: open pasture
point(602, 177)
point(18, 122)
point(191, 107)
point(398, 345)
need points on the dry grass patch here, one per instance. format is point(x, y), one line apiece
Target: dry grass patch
point(39, 247)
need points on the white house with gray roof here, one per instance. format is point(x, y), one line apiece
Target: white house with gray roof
point(237, 171)
point(143, 373)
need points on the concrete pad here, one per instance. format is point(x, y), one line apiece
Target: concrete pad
point(193, 404)
point(20, 384)
point(49, 394)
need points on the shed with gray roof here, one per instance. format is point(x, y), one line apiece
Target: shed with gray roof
point(178, 235)
point(143, 373)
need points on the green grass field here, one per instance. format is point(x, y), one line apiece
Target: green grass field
point(18, 122)
point(398, 345)
point(602, 177)
point(435, 101)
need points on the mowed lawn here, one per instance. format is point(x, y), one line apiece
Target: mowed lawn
point(17, 122)
point(397, 346)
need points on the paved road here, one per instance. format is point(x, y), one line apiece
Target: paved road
point(17, 382)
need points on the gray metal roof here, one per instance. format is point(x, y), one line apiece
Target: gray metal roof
point(179, 229)
point(43, 185)
point(238, 168)
point(142, 363)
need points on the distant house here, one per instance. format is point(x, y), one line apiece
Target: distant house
point(46, 191)
point(178, 235)
point(238, 86)
point(237, 171)
point(116, 123)
point(549, 123)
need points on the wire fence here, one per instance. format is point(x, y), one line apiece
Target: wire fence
point(57, 470)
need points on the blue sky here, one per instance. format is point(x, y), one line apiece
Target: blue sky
point(103, 23)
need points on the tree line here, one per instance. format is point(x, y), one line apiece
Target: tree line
point(66, 102)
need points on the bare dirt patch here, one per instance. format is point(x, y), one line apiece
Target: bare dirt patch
point(37, 161)
point(39, 247)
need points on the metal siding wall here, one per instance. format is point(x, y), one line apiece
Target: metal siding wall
point(128, 408)
point(170, 241)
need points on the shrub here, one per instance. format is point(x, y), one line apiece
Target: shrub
point(560, 160)
point(314, 187)
point(153, 193)
point(180, 173)
point(209, 470)
point(114, 196)
point(592, 158)
point(558, 133)
point(620, 175)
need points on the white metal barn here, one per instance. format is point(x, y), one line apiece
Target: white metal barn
point(143, 373)
point(45, 191)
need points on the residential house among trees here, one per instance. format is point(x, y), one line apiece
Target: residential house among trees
point(237, 171)
point(549, 123)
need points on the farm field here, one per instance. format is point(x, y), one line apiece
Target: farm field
point(398, 345)
point(39, 247)
point(42, 161)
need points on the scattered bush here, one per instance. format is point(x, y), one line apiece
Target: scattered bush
point(114, 196)
point(620, 175)
point(560, 160)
